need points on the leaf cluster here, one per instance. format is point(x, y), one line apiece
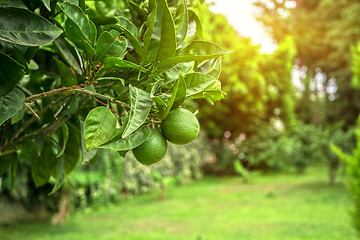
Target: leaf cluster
point(77, 77)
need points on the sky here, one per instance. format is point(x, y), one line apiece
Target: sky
point(241, 15)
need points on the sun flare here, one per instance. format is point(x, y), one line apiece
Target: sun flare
point(242, 16)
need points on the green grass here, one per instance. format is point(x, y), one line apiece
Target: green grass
point(272, 207)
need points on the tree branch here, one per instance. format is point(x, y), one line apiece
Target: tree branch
point(32, 120)
point(103, 97)
point(9, 147)
point(74, 89)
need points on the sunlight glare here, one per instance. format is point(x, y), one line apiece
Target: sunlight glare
point(241, 15)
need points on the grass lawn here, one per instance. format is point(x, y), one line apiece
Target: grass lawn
point(272, 207)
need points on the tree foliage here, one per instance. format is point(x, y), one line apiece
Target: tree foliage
point(353, 171)
point(355, 65)
point(258, 86)
point(78, 76)
point(324, 32)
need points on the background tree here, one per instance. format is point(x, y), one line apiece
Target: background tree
point(258, 86)
point(324, 32)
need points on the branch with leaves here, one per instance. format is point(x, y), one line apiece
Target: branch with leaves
point(138, 68)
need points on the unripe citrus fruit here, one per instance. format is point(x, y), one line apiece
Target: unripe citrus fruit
point(180, 126)
point(152, 150)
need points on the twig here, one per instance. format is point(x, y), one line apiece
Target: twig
point(35, 97)
point(55, 125)
point(113, 111)
point(9, 146)
point(103, 97)
point(32, 120)
point(8, 151)
point(74, 89)
point(48, 130)
point(32, 110)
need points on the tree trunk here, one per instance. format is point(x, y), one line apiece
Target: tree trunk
point(64, 209)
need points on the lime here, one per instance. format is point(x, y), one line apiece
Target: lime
point(180, 126)
point(152, 150)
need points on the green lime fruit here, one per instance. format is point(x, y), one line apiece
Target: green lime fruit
point(180, 126)
point(152, 150)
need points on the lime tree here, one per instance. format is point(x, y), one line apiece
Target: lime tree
point(110, 79)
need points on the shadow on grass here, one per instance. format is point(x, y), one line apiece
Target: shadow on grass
point(319, 186)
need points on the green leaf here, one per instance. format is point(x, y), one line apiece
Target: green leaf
point(127, 26)
point(82, 5)
point(13, 171)
point(72, 152)
point(73, 105)
point(160, 103)
point(111, 80)
point(110, 44)
point(47, 4)
point(170, 101)
point(119, 131)
point(137, 10)
point(93, 32)
point(47, 153)
point(150, 22)
point(10, 73)
point(195, 51)
point(65, 132)
point(99, 127)
point(76, 36)
point(39, 170)
point(11, 104)
point(18, 57)
point(6, 161)
point(164, 31)
point(60, 175)
point(203, 86)
point(12, 3)
point(39, 143)
point(131, 32)
point(123, 153)
point(33, 65)
point(181, 92)
point(30, 53)
point(86, 156)
point(118, 63)
point(17, 117)
point(193, 17)
point(132, 141)
point(140, 104)
point(215, 70)
point(181, 21)
point(77, 15)
point(171, 74)
point(103, 20)
point(78, 28)
point(68, 54)
point(155, 87)
point(203, 48)
point(23, 27)
point(68, 78)
point(151, 53)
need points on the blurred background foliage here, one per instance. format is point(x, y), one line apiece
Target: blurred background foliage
point(324, 47)
point(267, 122)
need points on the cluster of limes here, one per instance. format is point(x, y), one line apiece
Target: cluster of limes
point(179, 127)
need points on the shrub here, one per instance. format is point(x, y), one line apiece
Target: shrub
point(274, 149)
point(352, 161)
